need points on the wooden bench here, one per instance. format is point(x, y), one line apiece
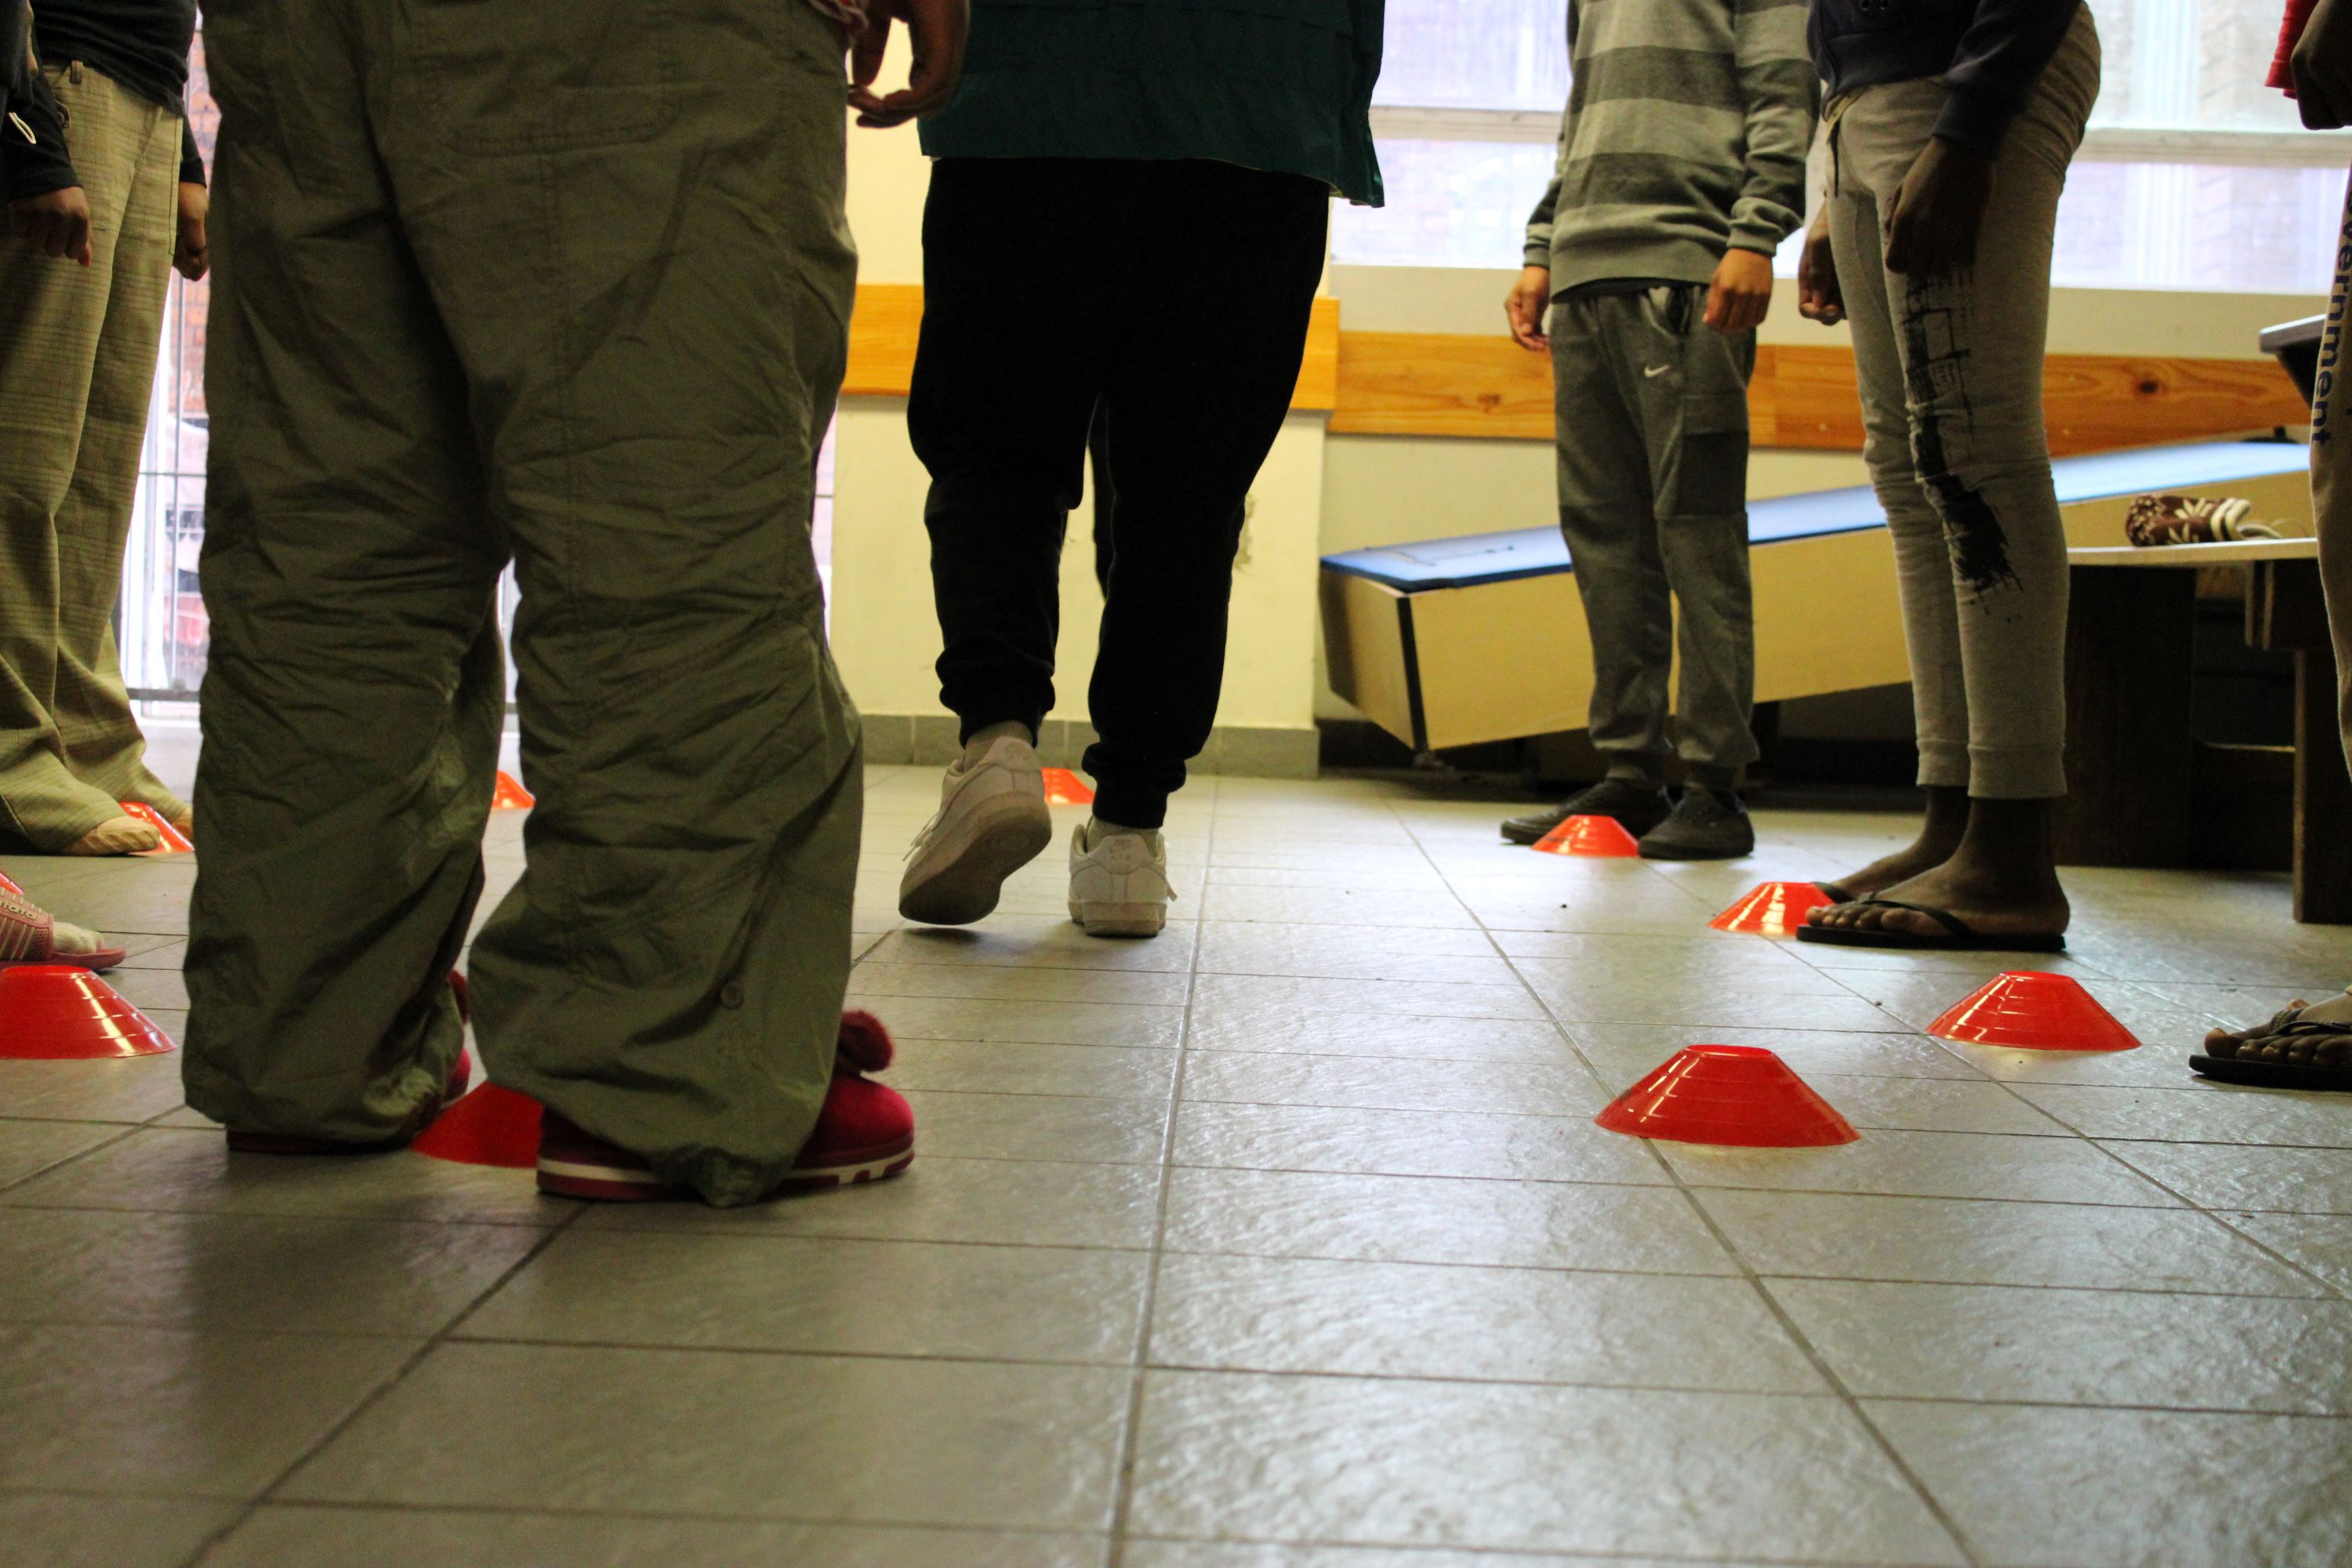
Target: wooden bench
point(2132, 767)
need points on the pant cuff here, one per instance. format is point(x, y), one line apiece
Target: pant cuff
point(1641, 767)
point(2017, 772)
point(1129, 805)
point(1943, 765)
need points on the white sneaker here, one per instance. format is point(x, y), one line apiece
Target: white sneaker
point(1119, 888)
point(992, 822)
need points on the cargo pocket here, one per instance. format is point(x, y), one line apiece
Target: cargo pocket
point(500, 78)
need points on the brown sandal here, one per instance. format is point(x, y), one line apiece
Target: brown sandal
point(2288, 1052)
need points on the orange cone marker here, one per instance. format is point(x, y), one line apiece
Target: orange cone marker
point(174, 841)
point(2033, 1011)
point(1602, 836)
point(491, 1126)
point(1063, 787)
point(1741, 1096)
point(510, 794)
point(55, 1011)
point(8, 887)
point(1772, 908)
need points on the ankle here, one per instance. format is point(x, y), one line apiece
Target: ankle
point(1099, 830)
point(976, 746)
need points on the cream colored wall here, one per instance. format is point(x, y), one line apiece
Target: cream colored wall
point(885, 633)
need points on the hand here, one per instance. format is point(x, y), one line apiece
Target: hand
point(1741, 291)
point(55, 222)
point(193, 252)
point(1819, 295)
point(1525, 305)
point(1940, 211)
point(936, 29)
point(2322, 64)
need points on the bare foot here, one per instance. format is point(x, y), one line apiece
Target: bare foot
point(1940, 837)
point(1990, 902)
point(117, 835)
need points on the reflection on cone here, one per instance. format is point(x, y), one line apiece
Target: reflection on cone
point(491, 1126)
point(1063, 787)
point(56, 1011)
point(1772, 908)
point(1590, 836)
point(1742, 1096)
point(8, 887)
point(510, 794)
point(174, 841)
point(2033, 1011)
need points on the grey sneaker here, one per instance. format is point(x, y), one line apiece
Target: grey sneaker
point(1705, 825)
point(992, 821)
point(1639, 807)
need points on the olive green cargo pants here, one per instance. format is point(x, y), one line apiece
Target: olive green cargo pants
point(568, 282)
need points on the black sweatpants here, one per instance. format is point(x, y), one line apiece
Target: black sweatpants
point(1174, 295)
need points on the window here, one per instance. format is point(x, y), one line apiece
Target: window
point(2195, 174)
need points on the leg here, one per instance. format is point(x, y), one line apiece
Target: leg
point(2331, 477)
point(1608, 509)
point(1923, 568)
point(1005, 381)
point(633, 229)
point(1971, 347)
point(1198, 389)
point(354, 695)
point(101, 738)
point(1696, 420)
point(1098, 475)
point(52, 315)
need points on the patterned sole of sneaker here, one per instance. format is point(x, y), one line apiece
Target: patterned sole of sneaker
point(602, 1182)
point(852, 1168)
point(958, 882)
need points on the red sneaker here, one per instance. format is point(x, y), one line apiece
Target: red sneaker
point(866, 1132)
point(461, 1079)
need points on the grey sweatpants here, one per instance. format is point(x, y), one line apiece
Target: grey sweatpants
point(1652, 407)
point(1951, 403)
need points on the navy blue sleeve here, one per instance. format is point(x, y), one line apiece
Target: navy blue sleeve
point(33, 159)
point(1997, 66)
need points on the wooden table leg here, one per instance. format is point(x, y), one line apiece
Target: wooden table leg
point(2323, 796)
point(2129, 755)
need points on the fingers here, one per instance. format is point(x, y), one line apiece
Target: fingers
point(867, 49)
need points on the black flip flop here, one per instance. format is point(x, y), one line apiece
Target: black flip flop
point(2258, 1073)
point(1959, 936)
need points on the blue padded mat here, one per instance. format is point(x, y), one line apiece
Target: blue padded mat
point(1478, 558)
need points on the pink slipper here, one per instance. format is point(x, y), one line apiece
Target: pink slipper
point(29, 935)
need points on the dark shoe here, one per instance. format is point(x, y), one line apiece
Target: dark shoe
point(1705, 825)
point(1639, 807)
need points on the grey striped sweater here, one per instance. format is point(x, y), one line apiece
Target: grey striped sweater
point(1686, 135)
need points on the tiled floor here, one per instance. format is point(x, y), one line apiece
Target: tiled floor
point(1283, 1241)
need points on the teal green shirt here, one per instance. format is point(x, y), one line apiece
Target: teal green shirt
point(1280, 85)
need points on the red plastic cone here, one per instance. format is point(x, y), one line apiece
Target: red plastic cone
point(1063, 787)
point(491, 1126)
point(2033, 1011)
point(8, 887)
point(174, 841)
point(1590, 836)
point(1738, 1094)
point(55, 1011)
point(510, 794)
point(1772, 908)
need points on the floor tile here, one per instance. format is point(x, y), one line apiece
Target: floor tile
point(2078, 1347)
point(1323, 906)
point(1526, 1325)
point(1410, 1143)
point(1373, 1083)
point(813, 1294)
point(1626, 1051)
point(1020, 1203)
point(1332, 1033)
point(1036, 941)
point(130, 1089)
point(60, 1530)
point(1953, 1241)
point(1282, 995)
point(1928, 1164)
point(1381, 1462)
point(2212, 1114)
point(1040, 1127)
point(1019, 983)
point(2246, 1176)
point(190, 1168)
point(167, 1412)
point(2046, 1487)
point(840, 1439)
point(318, 1536)
point(1414, 1219)
point(1368, 952)
point(2319, 1243)
point(1006, 1066)
point(1037, 1022)
point(1226, 1555)
point(27, 1148)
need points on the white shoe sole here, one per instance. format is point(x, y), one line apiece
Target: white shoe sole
point(1121, 919)
point(960, 878)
